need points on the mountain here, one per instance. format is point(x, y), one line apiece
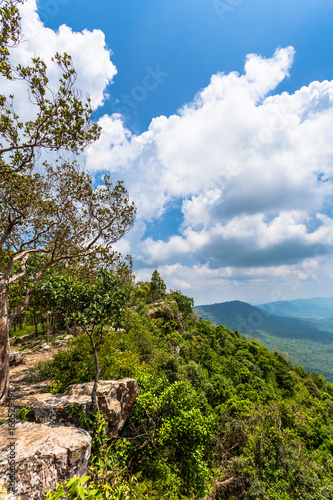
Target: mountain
point(317, 308)
point(305, 341)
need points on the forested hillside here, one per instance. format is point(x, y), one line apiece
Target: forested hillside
point(219, 416)
point(305, 341)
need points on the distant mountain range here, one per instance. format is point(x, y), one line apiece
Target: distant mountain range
point(305, 335)
point(302, 308)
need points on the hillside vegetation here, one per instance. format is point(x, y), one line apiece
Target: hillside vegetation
point(305, 341)
point(219, 416)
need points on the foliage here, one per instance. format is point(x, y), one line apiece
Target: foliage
point(157, 286)
point(304, 340)
point(88, 304)
point(185, 304)
point(52, 211)
point(24, 413)
point(224, 419)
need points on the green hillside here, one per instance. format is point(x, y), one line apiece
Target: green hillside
point(307, 342)
point(219, 417)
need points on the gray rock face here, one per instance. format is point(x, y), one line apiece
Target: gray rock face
point(115, 400)
point(68, 337)
point(16, 358)
point(43, 456)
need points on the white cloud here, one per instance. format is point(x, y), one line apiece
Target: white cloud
point(253, 171)
point(261, 284)
point(278, 146)
point(90, 56)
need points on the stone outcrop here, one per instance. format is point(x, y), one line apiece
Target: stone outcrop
point(16, 358)
point(43, 456)
point(115, 400)
point(24, 390)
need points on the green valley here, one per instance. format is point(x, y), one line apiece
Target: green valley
point(305, 341)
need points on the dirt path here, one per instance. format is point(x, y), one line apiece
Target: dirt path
point(23, 377)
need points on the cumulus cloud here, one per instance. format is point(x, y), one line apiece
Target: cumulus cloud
point(89, 52)
point(254, 171)
point(260, 284)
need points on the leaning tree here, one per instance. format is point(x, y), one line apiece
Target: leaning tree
point(50, 209)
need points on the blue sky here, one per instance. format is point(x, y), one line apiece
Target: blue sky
point(218, 117)
point(193, 39)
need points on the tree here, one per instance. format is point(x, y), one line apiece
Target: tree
point(91, 306)
point(157, 286)
point(185, 303)
point(52, 210)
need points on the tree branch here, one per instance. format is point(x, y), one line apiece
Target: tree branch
point(12, 224)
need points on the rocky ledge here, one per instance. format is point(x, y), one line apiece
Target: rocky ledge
point(43, 456)
point(115, 400)
point(49, 449)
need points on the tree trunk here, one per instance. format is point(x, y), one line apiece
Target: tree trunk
point(95, 408)
point(4, 344)
point(48, 326)
point(36, 323)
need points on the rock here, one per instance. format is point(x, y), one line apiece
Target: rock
point(22, 390)
point(58, 343)
point(26, 342)
point(115, 399)
point(68, 337)
point(43, 457)
point(24, 376)
point(43, 347)
point(118, 330)
point(55, 408)
point(16, 358)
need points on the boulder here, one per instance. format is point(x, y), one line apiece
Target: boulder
point(115, 399)
point(43, 347)
point(42, 456)
point(16, 358)
point(58, 343)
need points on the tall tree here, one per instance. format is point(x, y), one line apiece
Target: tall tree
point(91, 306)
point(54, 212)
point(157, 286)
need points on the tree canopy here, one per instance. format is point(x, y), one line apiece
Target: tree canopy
point(50, 209)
